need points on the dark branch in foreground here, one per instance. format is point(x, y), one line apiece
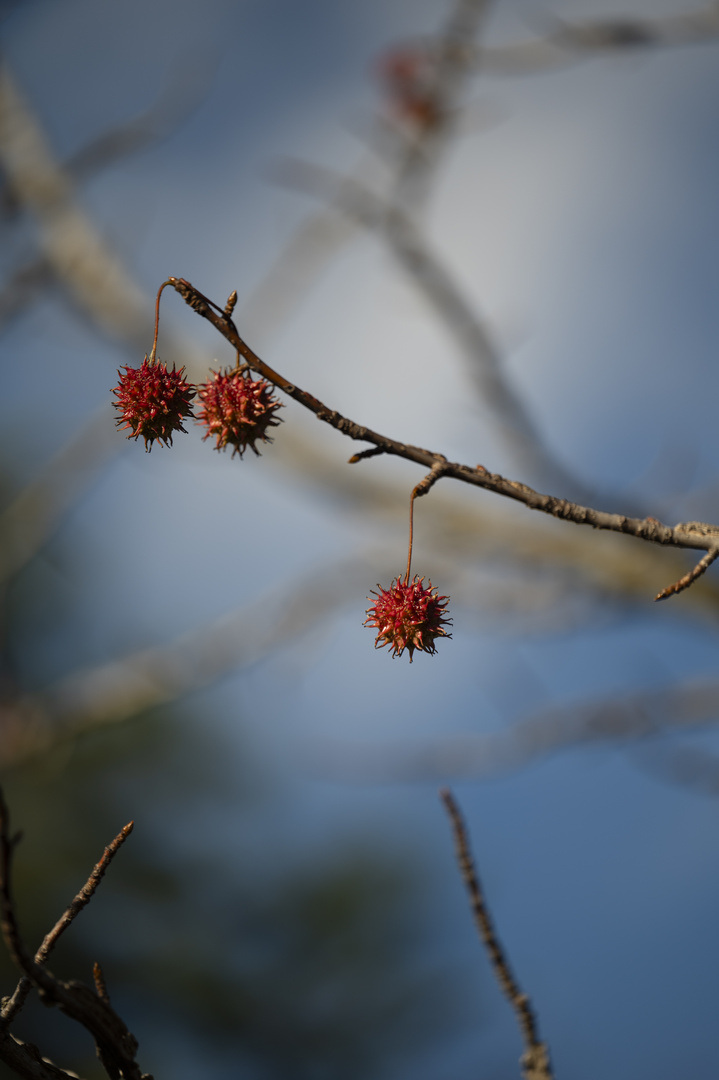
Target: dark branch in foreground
point(116, 1046)
point(692, 534)
point(535, 1059)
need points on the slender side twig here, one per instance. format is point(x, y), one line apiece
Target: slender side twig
point(692, 535)
point(535, 1060)
point(688, 579)
point(84, 896)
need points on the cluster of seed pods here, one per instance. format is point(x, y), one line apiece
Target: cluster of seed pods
point(153, 402)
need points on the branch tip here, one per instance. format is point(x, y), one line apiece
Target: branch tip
point(689, 579)
point(373, 451)
point(535, 1060)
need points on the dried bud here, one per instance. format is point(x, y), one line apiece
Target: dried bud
point(408, 616)
point(153, 402)
point(237, 411)
point(408, 75)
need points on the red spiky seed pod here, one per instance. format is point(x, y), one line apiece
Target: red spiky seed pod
point(237, 411)
point(408, 77)
point(408, 616)
point(153, 401)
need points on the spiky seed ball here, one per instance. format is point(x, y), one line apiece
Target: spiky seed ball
point(237, 411)
point(153, 401)
point(408, 616)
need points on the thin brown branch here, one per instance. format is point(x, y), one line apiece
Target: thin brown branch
point(691, 535)
point(84, 896)
point(535, 1060)
point(689, 578)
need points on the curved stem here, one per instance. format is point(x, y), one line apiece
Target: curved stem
point(152, 357)
point(411, 535)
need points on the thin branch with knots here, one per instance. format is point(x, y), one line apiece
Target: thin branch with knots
point(535, 1059)
point(694, 535)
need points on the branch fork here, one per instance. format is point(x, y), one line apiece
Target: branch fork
point(116, 1046)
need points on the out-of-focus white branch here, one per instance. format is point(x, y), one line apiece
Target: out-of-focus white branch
point(84, 263)
point(615, 721)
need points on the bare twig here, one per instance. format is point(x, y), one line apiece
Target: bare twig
point(710, 531)
point(535, 1060)
point(692, 535)
point(83, 897)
